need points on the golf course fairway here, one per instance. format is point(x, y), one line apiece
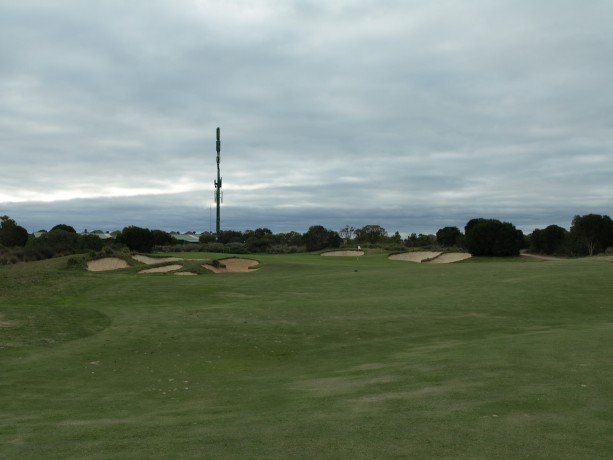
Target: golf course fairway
point(309, 357)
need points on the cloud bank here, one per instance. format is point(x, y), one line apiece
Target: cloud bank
point(412, 115)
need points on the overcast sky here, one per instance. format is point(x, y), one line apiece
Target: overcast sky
point(413, 114)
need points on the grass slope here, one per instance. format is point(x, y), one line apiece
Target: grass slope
point(309, 357)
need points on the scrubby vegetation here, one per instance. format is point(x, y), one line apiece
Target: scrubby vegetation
point(589, 235)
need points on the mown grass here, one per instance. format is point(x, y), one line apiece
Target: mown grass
point(309, 357)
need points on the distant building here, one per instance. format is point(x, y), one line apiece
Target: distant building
point(186, 238)
point(100, 234)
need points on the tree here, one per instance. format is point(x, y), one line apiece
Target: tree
point(419, 241)
point(490, 237)
point(318, 237)
point(90, 242)
point(290, 239)
point(11, 234)
point(230, 236)
point(396, 238)
point(58, 241)
point(371, 234)
point(258, 240)
point(347, 233)
point(474, 222)
point(592, 233)
point(137, 238)
point(255, 244)
point(66, 228)
point(207, 237)
point(449, 236)
point(162, 238)
point(549, 240)
point(262, 232)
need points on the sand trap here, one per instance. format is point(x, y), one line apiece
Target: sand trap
point(234, 266)
point(353, 253)
point(185, 273)
point(108, 263)
point(418, 256)
point(539, 257)
point(154, 260)
point(431, 257)
point(164, 269)
point(450, 257)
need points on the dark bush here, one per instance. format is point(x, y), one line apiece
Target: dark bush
point(11, 234)
point(490, 237)
point(162, 238)
point(449, 236)
point(54, 243)
point(89, 241)
point(136, 238)
point(207, 237)
point(255, 244)
point(549, 240)
point(318, 238)
point(370, 234)
point(230, 236)
point(236, 248)
point(66, 228)
point(420, 241)
point(591, 234)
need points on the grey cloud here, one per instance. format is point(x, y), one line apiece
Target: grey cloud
point(415, 108)
point(196, 212)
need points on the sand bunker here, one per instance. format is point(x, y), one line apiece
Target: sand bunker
point(185, 273)
point(431, 257)
point(450, 257)
point(164, 269)
point(353, 253)
point(418, 256)
point(539, 257)
point(154, 260)
point(108, 263)
point(233, 266)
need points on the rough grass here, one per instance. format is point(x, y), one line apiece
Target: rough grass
point(309, 357)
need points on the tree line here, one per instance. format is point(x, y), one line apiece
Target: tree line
point(588, 235)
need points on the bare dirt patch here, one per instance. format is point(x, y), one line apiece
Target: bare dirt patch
point(163, 269)
point(108, 263)
point(154, 260)
point(353, 253)
point(5, 323)
point(417, 256)
point(450, 257)
point(233, 266)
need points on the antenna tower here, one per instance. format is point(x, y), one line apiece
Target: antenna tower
point(218, 195)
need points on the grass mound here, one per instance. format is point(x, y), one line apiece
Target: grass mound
point(29, 326)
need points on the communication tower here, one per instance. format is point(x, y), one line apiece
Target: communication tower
point(218, 192)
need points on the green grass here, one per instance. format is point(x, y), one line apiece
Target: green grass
point(309, 357)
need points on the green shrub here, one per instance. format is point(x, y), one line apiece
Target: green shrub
point(11, 234)
point(490, 237)
point(137, 238)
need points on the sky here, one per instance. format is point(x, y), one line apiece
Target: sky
point(413, 115)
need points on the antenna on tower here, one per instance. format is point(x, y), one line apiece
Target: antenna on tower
point(218, 195)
